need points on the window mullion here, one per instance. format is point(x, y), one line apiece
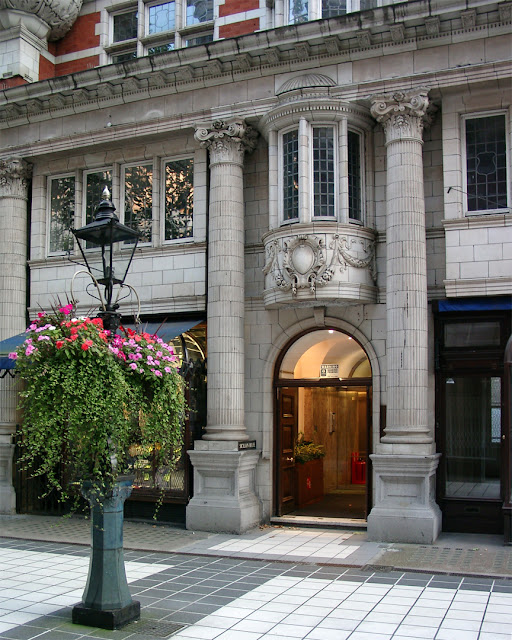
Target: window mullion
point(273, 190)
point(343, 171)
point(305, 167)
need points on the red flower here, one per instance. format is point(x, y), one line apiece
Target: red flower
point(86, 344)
point(59, 344)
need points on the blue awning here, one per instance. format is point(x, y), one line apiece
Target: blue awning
point(502, 303)
point(8, 345)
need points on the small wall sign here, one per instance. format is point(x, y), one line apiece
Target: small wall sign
point(247, 444)
point(329, 370)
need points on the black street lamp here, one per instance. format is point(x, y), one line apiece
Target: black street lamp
point(105, 231)
point(107, 602)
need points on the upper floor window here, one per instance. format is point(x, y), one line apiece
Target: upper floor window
point(178, 198)
point(138, 199)
point(314, 182)
point(61, 212)
point(173, 212)
point(486, 163)
point(124, 27)
point(304, 10)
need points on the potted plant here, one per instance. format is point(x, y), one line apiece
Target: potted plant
point(309, 471)
point(90, 402)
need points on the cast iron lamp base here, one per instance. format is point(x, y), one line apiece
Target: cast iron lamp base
point(106, 619)
point(107, 602)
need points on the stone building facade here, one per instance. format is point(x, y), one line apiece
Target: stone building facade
point(325, 188)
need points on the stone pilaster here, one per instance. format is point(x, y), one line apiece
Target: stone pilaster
point(405, 496)
point(224, 477)
point(14, 177)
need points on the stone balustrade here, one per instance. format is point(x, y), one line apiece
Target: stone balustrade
point(319, 263)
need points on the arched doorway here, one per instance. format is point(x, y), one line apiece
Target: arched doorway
point(323, 388)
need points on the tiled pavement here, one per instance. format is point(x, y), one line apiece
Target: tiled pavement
point(272, 583)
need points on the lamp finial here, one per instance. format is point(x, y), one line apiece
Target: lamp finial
point(106, 193)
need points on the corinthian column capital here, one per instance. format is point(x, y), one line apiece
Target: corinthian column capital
point(14, 176)
point(402, 114)
point(227, 141)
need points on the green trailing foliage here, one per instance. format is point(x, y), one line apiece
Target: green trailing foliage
point(93, 402)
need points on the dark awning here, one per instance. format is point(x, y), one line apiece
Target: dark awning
point(170, 329)
point(6, 347)
point(502, 303)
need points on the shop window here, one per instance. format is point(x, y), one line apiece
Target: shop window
point(486, 163)
point(179, 198)
point(61, 209)
point(322, 168)
point(138, 199)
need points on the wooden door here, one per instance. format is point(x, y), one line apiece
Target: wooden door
point(287, 432)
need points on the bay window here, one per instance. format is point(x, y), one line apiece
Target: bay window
point(321, 173)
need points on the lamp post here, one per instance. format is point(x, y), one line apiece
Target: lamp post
point(106, 602)
point(105, 231)
point(507, 442)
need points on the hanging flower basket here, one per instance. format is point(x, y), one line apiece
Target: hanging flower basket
point(92, 400)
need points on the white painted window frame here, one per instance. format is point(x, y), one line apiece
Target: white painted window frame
point(507, 113)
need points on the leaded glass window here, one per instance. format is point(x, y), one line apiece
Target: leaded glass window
point(62, 212)
point(162, 17)
point(298, 11)
point(138, 199)
point(323, 171)
point(192, 42)
point(486, 163)
point(331, 8)
point(123, 57)
point(354, 176)
point(291, 175)
point(179, 199)
point(199, 11)
point(125, 26)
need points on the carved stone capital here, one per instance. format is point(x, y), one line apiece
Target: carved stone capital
point(227, 141)
point(401, 114)
point(14, 176)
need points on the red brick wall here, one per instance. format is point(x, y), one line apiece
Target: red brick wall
point(239, 28)
point(237, 6)
point(76, 65)
point(81, 35)
point(15, 81)
point(46, 68)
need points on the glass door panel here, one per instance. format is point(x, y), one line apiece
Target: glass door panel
point(473, 437)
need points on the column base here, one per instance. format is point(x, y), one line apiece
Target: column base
point(224, 488)
point(105, 618)
point(405, 508)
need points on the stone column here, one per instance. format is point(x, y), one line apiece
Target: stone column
point(224, 498)
point(405, 462)
point(14, 176)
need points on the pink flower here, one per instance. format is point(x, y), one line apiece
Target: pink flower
point(167, 369)
point(43, 338)
point(13, 355)
point(41, 314)
point(66, 310)
point(29, 350)
point(133, 366)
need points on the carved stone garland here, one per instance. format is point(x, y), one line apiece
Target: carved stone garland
point(304, 261)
